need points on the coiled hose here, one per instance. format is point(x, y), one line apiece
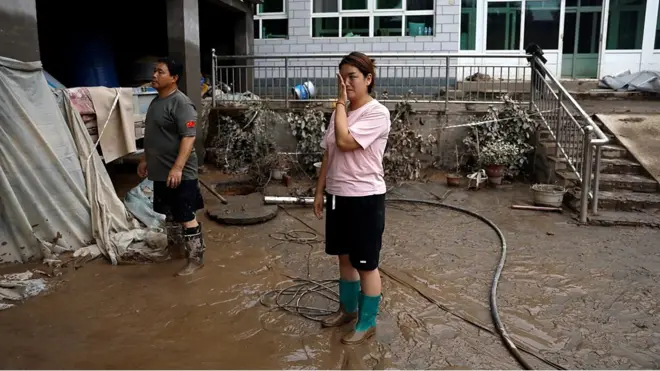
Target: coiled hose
point(307, 286)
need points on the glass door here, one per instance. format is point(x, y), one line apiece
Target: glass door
point(582, 30)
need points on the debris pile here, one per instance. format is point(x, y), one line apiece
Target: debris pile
point(404, 145)
point(16, 287)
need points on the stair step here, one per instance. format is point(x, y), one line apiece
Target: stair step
point(614, 151)
point(610, 182)
point(620, 166)
point(617, 200)
point(608, 150)
point(607, 165)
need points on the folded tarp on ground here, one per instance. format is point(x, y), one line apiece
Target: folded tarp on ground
point(646, 81)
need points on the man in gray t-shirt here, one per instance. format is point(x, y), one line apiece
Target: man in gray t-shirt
point(171, 163)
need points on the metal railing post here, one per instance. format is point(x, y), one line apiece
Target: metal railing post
point(286, 79)
point(560, 110)
point(214, 66)
point(586, 173)
point(531, 84)
point(596, 187)
point(446, 84)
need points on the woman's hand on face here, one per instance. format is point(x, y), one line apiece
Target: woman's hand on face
point(341, 89)
point(318, 206)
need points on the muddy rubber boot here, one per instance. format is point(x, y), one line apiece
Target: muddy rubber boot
point(175, 245)
point(348, 304)
point(194, 242)
point(366, 324)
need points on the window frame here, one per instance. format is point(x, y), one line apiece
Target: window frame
point(613, 16)
point(521, 29)
point(260, 17)
point(371, 12)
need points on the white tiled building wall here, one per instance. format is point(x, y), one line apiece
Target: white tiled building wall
point(445, 39)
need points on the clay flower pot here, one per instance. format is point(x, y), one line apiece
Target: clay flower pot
point(453, 180)
point(495, 174)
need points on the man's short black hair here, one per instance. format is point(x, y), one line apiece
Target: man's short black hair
point(175, 68)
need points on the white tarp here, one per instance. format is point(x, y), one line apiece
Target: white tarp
point(647, 81)
point(51, 188)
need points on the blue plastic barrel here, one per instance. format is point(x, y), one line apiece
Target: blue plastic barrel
point(95, 63)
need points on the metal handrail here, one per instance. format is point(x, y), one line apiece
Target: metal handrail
point(601, 137)
point(371, 55)
point(592, 140)
point(287, 58)
point(590, 144)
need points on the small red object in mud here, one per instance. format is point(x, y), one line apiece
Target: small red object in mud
point(286, 179)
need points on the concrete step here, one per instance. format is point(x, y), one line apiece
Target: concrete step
point(617, 200)
point(625, 219)
point(608, 150)
point(614, 151)
point(608, 165)
point(611, 182)
point(620, 166)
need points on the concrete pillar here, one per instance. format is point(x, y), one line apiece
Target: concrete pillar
point(244, 45)
point(183, 45)
point(19, 38)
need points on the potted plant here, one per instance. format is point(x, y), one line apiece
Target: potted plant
point(498, 156)
point(454, 179)
point(279, 167)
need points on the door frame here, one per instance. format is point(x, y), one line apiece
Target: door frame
point(601, 42)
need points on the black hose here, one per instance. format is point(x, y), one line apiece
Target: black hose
point(311, 285)
point(496, 277)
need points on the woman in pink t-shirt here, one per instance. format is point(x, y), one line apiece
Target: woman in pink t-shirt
point(352, 179)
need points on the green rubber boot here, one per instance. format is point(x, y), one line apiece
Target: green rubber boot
point(366, 324)
point(349, 292)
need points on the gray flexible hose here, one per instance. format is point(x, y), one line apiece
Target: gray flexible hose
point(496, 277)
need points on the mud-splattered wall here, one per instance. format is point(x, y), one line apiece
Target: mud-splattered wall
point(425, 122)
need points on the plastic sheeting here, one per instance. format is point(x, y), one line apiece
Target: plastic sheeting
point(646, 81)
point(55, 193)
point(140, 202)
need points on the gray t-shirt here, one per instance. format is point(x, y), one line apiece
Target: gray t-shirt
point(168, 120)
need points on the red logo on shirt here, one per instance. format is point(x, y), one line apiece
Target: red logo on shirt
point(190, 124)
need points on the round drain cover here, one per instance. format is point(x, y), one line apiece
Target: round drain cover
point(242, 210)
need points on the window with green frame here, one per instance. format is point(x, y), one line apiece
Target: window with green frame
point(373, 18)
point(468, 24)
point(625, 27)
point(542, 23)
point(503, 22)
point(270, 21)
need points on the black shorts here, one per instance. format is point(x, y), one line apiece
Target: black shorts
point(354, 226)
point(178, 204)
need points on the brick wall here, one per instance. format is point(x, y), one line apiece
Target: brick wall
point(269, 74)
point(446, 39)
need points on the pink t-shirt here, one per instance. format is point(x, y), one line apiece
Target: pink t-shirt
point(360, 172)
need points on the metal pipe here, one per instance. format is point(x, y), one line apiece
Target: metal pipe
point(214, 66)
point(531, 84)
point(594, 201)
point(446, 84)
point(284, 200)
point(602, 138)
point(586, 173)
point(286, 79)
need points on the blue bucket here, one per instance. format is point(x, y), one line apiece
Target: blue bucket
point(303, 91)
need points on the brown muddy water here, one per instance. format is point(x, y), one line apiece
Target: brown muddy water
point(583, 297)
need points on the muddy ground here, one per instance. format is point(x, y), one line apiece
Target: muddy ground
point(582, 297)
